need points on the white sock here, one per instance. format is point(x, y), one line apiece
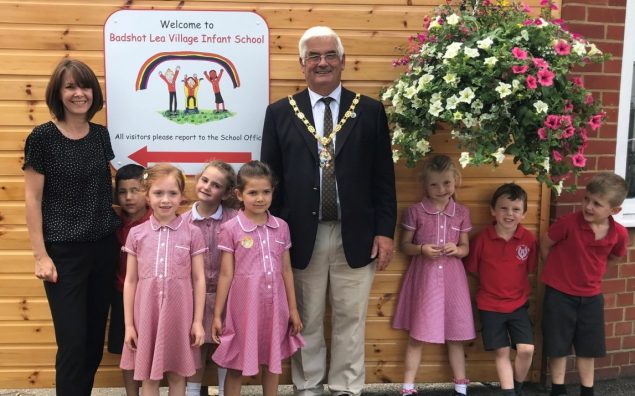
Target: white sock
point(461, 388)
point(193, 389)
point(222, 373)
point(408, 386)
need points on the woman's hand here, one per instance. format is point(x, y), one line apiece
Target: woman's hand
point(45, 269)
point(197, 334)
point(296, 323)
point(130, 338)
point(217, 329)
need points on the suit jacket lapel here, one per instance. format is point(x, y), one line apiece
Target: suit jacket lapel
point(345, 102)
point(304, 104)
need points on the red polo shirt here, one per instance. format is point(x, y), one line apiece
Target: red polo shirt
point(122, 234)
point(577, 261)
point(503, 268)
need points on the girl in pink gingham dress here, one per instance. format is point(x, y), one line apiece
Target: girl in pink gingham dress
point(434, 301)
point(214, 189)
point(255, 288)
point(164, 289)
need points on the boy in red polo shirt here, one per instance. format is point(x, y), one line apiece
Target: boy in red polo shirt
point(134, 211)
point(577, 250)
point(503, 255)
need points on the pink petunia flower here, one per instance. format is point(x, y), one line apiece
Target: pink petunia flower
point(562, 47)
point(526, 8)
point(577, 81)
point(595, 121)
point(588, 99)
point(542, 133)
point(583, 134)
point(528, 22)
point(545, 77)
point(552, 121)
point(568, 107)
point(540, 63)
point(578, 160)
point(531, 82)
point(556, 155)
point(567, 133)
point(544, 2)
point(565, 120)
point(519, 53)
point(538, 22)
point(519, 69)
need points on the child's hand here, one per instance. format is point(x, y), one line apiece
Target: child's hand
point(431, 251)
point(197, 334)
point(130, 338)
point(217, 329)
point(450, 249)
point(296, 323)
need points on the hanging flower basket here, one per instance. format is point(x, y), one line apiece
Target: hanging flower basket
point(503, 81)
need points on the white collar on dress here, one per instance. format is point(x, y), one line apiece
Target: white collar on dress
point(174, 224)
point(248, 225)
point(215, 216)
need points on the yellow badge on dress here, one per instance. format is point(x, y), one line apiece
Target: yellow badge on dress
point(247, 242)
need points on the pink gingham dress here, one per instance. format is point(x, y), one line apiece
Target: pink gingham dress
point(434, 301)
point(210, 227)
point(163, 304)
point(256, 330)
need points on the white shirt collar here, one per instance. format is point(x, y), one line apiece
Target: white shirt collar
point(336, 95)
point(215, 216)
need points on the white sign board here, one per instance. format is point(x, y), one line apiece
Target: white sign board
point(186, 86)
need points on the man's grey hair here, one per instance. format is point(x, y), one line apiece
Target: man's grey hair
point(319, 31)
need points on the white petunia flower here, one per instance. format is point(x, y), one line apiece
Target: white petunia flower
point(546, 164)
point(471, 52)
point(524, 34)
point(434, 24)
point(436, 108)
point(503, 89)
point(593, 50)
point(388, 94)
point(451, 102)
point(410, 92)
point(436, 97)
point(424, 80)
point(578, 48)
point(485, 44)
point(395, 156)
point(453, 19)
point(491, 61)
point(423, 146)
point(452, 50)
point(451, 78)
point(469, 121)
point(457, 115)
point(541, 107)
point(455, 134)
point(465, 159)
point(499, 155)
point(397, 134)
point(558, 187)
point(516, 85)
point(466, 95)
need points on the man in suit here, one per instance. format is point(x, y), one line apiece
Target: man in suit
point(330, 150)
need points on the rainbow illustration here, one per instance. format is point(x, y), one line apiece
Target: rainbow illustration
point(149, 65)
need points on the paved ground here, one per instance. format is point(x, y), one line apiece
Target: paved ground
point(621, 387)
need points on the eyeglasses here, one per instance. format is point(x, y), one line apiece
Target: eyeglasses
point(329, 57)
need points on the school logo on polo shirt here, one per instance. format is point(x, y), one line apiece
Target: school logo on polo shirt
point(522, 252)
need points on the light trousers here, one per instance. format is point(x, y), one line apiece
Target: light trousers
point(348, 289)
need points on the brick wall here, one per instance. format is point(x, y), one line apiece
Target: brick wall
point(602, 22)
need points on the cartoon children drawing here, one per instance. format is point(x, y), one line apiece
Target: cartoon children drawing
point(190, 86)
point(215, 81)
point(170, 79)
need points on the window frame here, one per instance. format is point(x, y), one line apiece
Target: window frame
point(627, 216)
